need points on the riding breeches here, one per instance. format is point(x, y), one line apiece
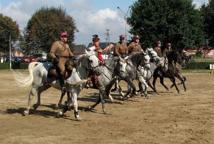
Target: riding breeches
point(61, 65)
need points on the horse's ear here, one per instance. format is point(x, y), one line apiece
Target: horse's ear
point(86, 52)
point(120, 58)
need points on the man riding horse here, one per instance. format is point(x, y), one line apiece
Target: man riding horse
point(60, 53)
point(134, 46)
point(121, 48)
point(99, 52)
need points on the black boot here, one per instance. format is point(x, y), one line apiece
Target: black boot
point(62, 83)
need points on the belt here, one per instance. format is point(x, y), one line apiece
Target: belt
point(63, 56)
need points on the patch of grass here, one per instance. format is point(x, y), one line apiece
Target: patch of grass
point(14, 65)
point(195, 71)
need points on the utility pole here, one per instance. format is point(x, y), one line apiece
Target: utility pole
point(107, 41)
point(107, 36)
point(10, 50)
point(125, 14)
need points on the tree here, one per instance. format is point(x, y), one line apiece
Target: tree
point(45, 26)
point(208, 21)
point(8, 28)
point(176, 21)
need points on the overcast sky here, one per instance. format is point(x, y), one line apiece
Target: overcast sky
point(91, 16)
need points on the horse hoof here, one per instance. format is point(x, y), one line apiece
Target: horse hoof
point(35, 106)
point(60, 114)
point(59, 106)
point(78, 118)
point(26, 112)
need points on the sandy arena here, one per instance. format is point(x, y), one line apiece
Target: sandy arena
point(168, 118)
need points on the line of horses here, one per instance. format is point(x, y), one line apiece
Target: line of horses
point(141, 66)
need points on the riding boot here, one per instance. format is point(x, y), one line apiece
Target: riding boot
point(61, 82)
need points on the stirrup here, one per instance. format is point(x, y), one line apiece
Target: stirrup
point(63, 89)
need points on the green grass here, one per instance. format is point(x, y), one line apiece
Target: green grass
point(14, 65)
point(211, 60)
point(196, 71)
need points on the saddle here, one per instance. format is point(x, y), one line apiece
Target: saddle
point(54, 73)
point(92, 81)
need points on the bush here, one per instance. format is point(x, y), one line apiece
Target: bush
point(198, 54)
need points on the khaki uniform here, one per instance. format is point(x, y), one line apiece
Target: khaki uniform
point(121, 49)
point(134, 48)
point(158, 51)
point(61, 51)
point(165, 52)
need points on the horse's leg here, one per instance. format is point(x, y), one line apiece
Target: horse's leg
point(140, 87)
point(144, 86)
point(128, 92)
point(150, 85)
point(182, 79)
point(94, 105)
point(40, 90)
point(154, 82)
point(108, 89)
point(116, 86)
point(174, 83)
point(75, 94)
point(32, 93)
point(61, 98)
point(102, 95)
point(162, 82)
point(131, 84)
point(121, 92)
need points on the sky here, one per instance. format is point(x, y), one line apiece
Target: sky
point(91, 16)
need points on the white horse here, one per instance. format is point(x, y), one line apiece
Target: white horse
point(37, 79)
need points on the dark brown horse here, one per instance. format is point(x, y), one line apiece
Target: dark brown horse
point(173, 72)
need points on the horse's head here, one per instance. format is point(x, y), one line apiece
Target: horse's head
point(174, 56)
point(92, 58)
point(122, 63)
point(153, 55)
point(70, 64)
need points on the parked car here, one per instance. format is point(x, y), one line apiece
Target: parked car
point(28, 59)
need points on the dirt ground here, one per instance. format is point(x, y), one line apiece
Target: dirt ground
point(168, 118)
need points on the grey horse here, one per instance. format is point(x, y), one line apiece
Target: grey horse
point(37, 79)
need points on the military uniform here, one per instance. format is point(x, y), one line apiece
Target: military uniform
point(158, 51)
point(62, 52)
point(134, 48)
point(121, 49)
point(165, 52)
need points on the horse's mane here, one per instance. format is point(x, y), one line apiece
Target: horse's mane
point(137, 58)
point(174, 56)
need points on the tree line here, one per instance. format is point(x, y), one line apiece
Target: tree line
point(175, 21)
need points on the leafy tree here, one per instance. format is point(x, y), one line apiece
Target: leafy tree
point(45, 26)
point(8, 28)
point(176, 21)
point(208, 19)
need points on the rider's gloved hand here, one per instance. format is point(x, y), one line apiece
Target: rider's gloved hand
point(56, 60)
point(101, 62)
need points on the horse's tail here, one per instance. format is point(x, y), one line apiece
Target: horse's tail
point(23, 80)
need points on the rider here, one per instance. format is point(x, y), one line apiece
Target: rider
point(99, 51)
point(96, 47)
point(135, 46)
point(165, 50)
point(60, 53)
point(121, 48)
point(157, 48)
